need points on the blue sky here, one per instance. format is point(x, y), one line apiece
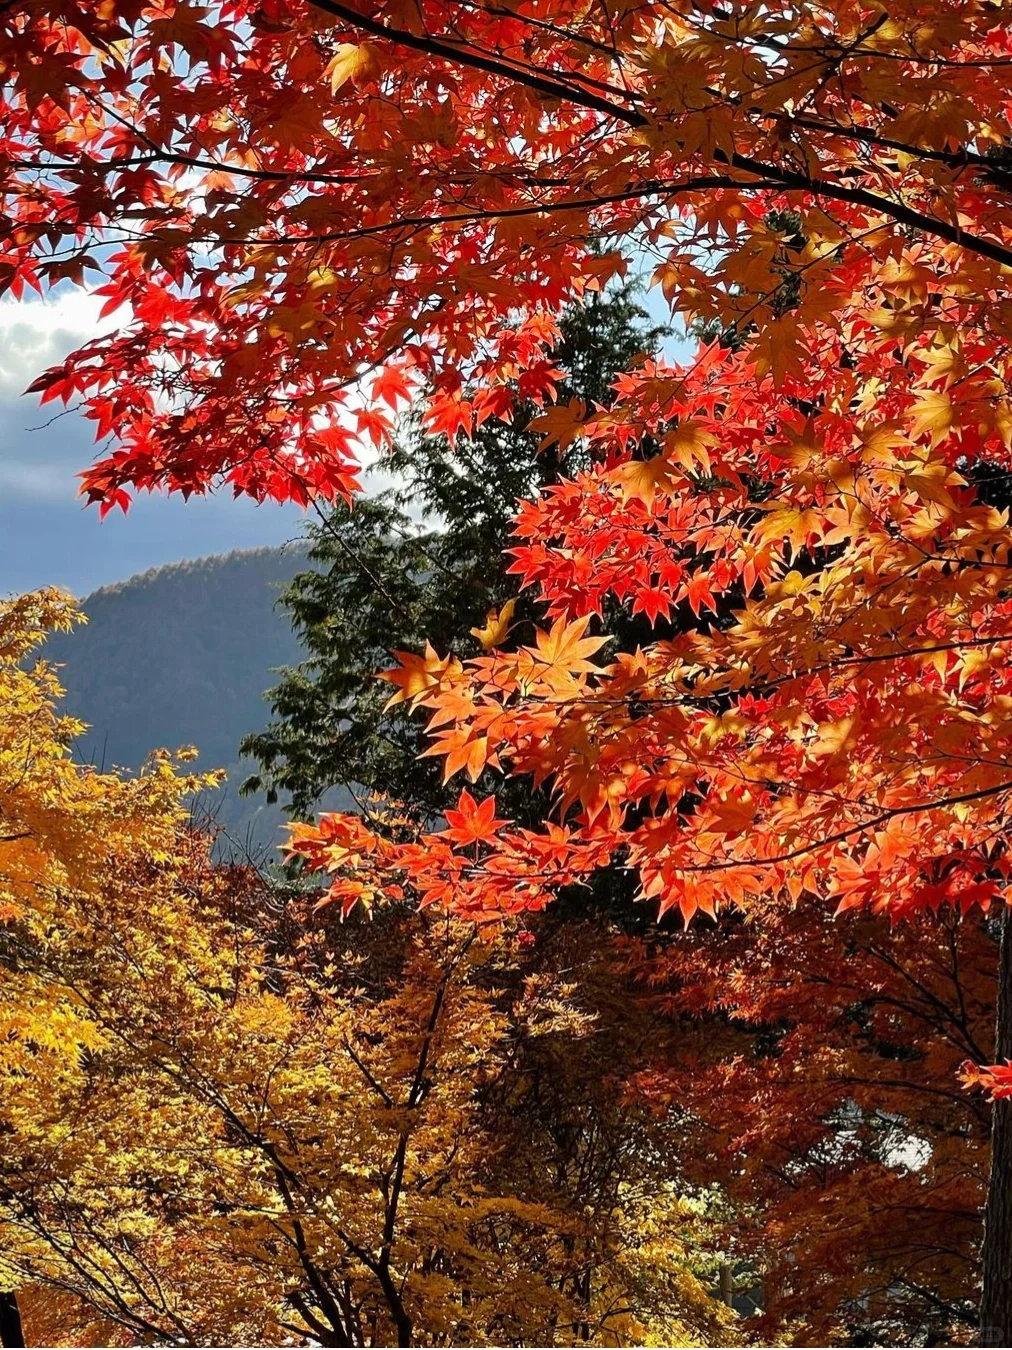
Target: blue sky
point(46, 536)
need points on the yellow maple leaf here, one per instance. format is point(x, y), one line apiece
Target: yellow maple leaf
point(351, 60)
point(560, 425)
point(689, 444)
point(642, 479)
point(932, 415)
point(497, 623)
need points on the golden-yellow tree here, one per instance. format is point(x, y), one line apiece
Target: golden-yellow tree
point(227, 1119)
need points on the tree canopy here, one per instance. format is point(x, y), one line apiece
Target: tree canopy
point(228, 1120)
point(309, 217)
point(277, 225)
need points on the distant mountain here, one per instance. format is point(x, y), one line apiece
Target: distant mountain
point(182, 655)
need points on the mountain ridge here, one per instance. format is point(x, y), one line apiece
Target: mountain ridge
point(182, 654)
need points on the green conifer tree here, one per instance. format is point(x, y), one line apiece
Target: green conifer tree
point(381, 579)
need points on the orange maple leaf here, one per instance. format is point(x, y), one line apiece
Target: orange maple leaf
point(560, 655)
point(472, 822)
point(497, 624)
point(416, 675)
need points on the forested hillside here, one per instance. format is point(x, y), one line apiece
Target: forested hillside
point(182, 655)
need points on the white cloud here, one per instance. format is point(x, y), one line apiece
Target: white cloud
point(35, 333)
point(35, 482)
point(42, 447)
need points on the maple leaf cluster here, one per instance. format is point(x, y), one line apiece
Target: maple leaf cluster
point(835, 730)
point(307, 213)
point(307, 216)
point(803, 478)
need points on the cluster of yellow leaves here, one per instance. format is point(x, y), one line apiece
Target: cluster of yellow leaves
point(226, 1122)
point(63, 826)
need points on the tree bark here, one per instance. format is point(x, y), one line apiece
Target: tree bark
point(726, 1284)
point(11, 1331)
point(996, 1255)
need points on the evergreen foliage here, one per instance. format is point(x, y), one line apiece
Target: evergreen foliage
point(380, 582)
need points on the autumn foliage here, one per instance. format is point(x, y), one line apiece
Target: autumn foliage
point(226, 1121)
point(824, 1091)
point(279, 224)
point(305, 217)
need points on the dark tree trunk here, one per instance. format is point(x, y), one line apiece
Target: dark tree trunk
point(11, 1332)
point(996, 1257)
point(403, 1323)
